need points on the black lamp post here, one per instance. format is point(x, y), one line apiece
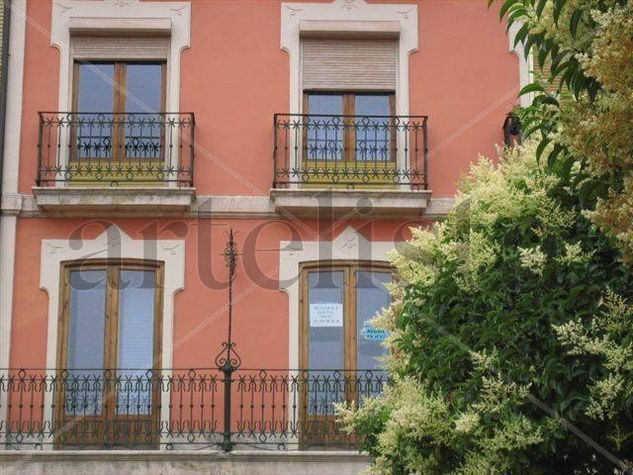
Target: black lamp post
point(228, 360)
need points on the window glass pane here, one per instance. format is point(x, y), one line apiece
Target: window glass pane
point(325, 127)
point(95, 104)
point(136, 341)
point(373, 134)
point(371, 298)
point(143, 103)
point(325, 346)
point(86, 336)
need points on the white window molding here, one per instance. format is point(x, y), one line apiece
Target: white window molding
point(156, 29)
point(345, 17)
point(112, 243)
point(525, 64)
point(118, 16)
point(350, 246)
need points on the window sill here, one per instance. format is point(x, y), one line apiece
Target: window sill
point(315, 202)
point(114, 201)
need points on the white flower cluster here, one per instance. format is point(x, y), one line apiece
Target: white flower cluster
point(533, 259)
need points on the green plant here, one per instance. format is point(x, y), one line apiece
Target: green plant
point(586, 46)
point(510, 335)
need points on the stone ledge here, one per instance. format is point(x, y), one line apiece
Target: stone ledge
point(114, 201)
point(203, 206)
point(141, 462)
point(383, 203)
point(189, 455)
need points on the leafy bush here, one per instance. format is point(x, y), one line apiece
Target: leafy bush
point(586, 46)
point(511, 337)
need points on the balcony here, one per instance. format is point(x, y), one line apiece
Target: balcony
point(179, 408)
point(349, 163)
point(119, 163)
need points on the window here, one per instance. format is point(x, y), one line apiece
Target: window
point(339, 300)
point(109, 347)
point(340, 350)
point(350, 126)
point(118, 109)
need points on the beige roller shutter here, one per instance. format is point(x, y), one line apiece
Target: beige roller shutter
point(119, 48)
point(343, 64)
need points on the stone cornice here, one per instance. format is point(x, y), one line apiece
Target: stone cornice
point(23, 205)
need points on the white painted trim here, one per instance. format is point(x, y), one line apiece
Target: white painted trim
point(7, 276)
point(11, 157)
point(7, 268)
point(112, 243)
point(340, 15)
point(350, 245)
point(102, 13)
point(13, 127)
point(525, 64)
point(339, 12)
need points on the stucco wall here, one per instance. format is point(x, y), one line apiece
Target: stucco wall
point(235, 77)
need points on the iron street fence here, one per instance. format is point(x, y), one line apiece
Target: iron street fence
point(81, 148)
point(179, 408)
point(350, 151)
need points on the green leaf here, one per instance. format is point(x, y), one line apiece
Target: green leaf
point(548, 99)
point(505, 7)
point(521, 34)
point(558, 148)
point(558, 8)
point(575, 19)
point(541, 147)
point(532, 87)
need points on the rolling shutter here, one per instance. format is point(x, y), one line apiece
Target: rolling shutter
point(340, 64)
point(119, 48)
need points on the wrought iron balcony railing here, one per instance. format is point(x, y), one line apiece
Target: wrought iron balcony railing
point(350, 151)
point(179, 408)
point(115, 148)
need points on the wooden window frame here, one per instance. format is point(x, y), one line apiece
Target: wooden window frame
point(119, 96)
point(349, 111)
point(350, 330)
point(113, 270)
point(326, 430)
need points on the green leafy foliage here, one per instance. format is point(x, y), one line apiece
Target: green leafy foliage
point(583, 61)
point(511, 325)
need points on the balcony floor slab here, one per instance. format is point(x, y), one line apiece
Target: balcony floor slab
point(315, 202)
point(114, 201)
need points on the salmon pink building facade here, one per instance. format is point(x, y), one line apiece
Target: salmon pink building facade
point(198, 202)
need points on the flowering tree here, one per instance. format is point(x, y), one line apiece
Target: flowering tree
point(588, 45)
point(511, 332)
point(511, 336)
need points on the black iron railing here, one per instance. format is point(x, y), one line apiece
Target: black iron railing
point(179, 408)
point(113, 149)
point(350, 151)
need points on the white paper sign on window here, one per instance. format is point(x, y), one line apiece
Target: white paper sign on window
point(326, 315)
